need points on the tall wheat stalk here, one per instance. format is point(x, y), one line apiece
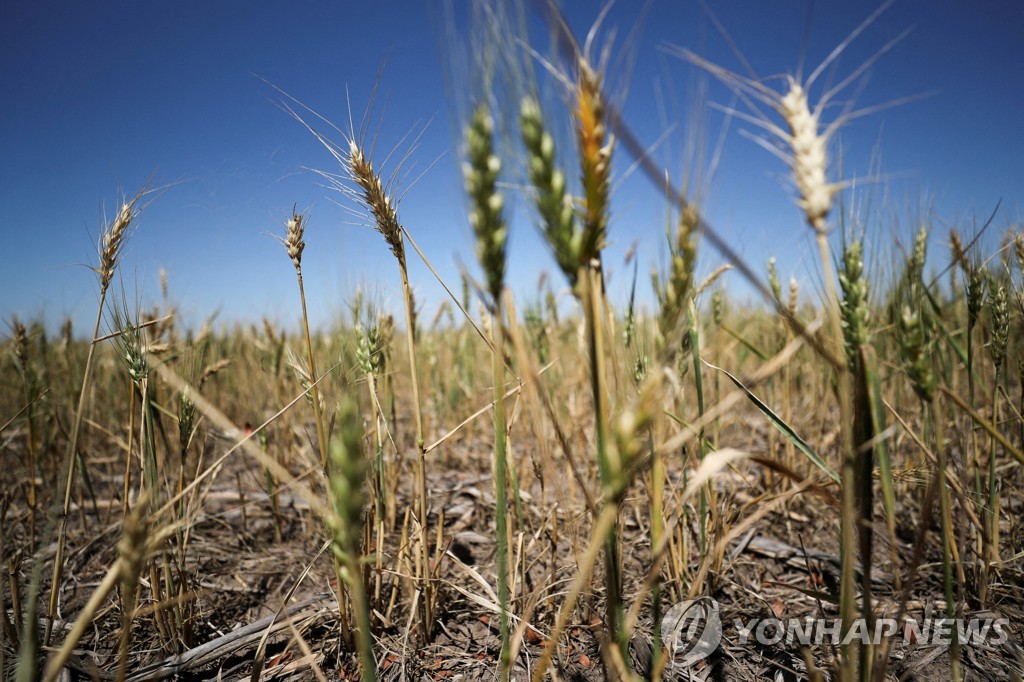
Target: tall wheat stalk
point(28, 383)
point(486, 216)
point(111, 245)
point(805, 140)
point(346, 475)
point(576, 238)
point(294, 242)
point(1000, 316)
point(374, 195)
point(371, 356)
point(915, 348)
point(674, 293)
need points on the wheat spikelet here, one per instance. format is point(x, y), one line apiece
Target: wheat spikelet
point(794, 297)
point(212, 369)
point(558, 220)
point(956, 249)
point(375, 197)
point(675, 294)
point(596, 147)
point(20, 343)
point(919, 255)
point(132, 558)
point(773, 279)
point(133, 546)
point(711, 279)
point(977, 276)
point(294, 241)
point(112, 241)
point(914, 347)
point(804, 136)
point(371, 348)
point(853, 307)
point(130, 339)
point(347, 474)
point(1000, 324)
point(809, 156)
point(631, 421)
point(66, 334)
point(486, 214)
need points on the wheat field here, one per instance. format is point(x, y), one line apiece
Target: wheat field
point(533, 486)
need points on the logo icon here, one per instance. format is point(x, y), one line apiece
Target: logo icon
point(691, 630)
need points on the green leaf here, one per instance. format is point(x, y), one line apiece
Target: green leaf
point(781, 425)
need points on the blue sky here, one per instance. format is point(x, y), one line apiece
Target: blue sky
point(102, 96)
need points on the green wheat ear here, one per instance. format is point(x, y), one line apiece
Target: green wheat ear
point(853, 307)
point(773, 279)
point(558, 219)
point(675, 294)
point(481, 171)
point(1000, 324)
point(486, 216)
point(347, 474)
point(915, 350)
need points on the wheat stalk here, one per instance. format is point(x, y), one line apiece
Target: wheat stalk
point(110, 247)
point(805, 141)
point(346, 480)
point(487, 218)
point(374, 196)
point(295, 243)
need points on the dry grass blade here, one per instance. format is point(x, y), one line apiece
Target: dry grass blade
point(246, 444)
point(260, 656)
point(983, 423)
point(483, 410)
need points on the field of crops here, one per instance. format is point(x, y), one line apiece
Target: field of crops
point(534, 487)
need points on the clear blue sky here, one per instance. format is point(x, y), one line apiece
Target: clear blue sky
point(102, 95)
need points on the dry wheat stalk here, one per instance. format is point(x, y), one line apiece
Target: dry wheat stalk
point(374, 195)
point(110, 247)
